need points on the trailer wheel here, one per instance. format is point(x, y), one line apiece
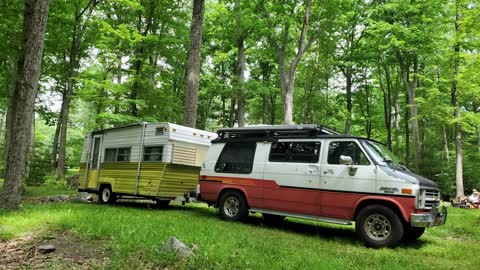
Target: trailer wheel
point(233, 206)
point(270, 219)
point(412, 233)
point(379, 226)
point(106, 195)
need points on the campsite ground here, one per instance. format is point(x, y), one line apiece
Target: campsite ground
point(129, 235)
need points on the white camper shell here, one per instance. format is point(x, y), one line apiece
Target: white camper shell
point(156, 160)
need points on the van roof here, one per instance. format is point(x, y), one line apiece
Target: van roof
point(275, 132)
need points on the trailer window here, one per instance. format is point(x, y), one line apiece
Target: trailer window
point(337, 149)
point(236, 157)
point(159, 131)
point(300, 152)
point(117, 154)
point(152, 153)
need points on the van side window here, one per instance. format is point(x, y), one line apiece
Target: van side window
point(236, 157)
point(337, 149)
point(302, 152)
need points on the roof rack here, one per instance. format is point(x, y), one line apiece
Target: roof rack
point(273, 132)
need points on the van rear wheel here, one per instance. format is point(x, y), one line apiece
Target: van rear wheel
point(379, 226)
point(233, 206)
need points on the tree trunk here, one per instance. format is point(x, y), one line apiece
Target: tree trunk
point(348, 77)
point(456, 105)
point(240, 65)
point(387, 107)
point(287, 77)
point(445, 143)
point(193, 68)
point(22, 102)
point(77, 35)
point(410, 87)
point(54, 153)
point(231, 113)
point(396, 121)
point(407, 133)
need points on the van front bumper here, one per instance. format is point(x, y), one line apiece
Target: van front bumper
point(435, 217)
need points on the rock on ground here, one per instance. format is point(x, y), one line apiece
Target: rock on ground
point(174, 245)
point(44, 249)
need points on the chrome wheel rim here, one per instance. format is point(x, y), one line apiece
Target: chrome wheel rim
point(106, 194)
point(378, 227)
point(231, 207)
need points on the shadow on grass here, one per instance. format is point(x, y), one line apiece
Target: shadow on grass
point(345, 234)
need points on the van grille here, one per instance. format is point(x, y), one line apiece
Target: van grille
point(430, 198)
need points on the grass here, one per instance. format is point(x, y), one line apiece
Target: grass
point(50, 188)
point(136, 232)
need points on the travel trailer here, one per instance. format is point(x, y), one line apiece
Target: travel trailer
point(311, 172)
point(160, 161)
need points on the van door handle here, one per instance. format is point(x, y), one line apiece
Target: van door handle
point(328, 171)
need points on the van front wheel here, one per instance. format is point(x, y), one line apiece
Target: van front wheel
point(379, 226)
point(232, 206)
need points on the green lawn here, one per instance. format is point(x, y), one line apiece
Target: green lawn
point(135, 232)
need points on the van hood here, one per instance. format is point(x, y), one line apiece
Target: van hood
point(409, 176)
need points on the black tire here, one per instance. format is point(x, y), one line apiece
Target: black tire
point(272, 220)
point(411, 234)
point(379, 226)
point(161, 203)
point(106, 196)
point(233, 206)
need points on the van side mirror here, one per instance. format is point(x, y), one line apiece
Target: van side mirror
point(346, 160)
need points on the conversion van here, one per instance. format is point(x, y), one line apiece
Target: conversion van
point(160, 161)
point(312, 172)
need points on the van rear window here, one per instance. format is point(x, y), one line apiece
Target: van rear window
point(236, 157)
point(299, 152)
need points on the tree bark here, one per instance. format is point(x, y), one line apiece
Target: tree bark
point(445, 144)
point(348, 77)
point(240, 65)
point(54, 153)
point(407, 133)
point(387, 108)
point(193, 68)
point(22, 102)
point(456, 105)
point(410, 86)
point(396, 121)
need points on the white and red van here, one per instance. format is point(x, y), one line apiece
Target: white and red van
point(311, 172)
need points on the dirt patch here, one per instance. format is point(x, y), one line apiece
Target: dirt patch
point(71, 252)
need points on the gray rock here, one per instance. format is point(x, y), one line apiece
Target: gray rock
point(85, 196)
point(174, 245)
point(44, 249)
point(64, 197)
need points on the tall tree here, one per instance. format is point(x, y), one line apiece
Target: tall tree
point(193, 68)
point(282, 44)
point(241, 34)
point(22, 101)
point(455, 103)
point(81, 17)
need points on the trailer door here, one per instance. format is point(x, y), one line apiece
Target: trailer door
point(94, 163)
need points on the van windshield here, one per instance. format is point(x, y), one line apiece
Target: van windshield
point(382, 155)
